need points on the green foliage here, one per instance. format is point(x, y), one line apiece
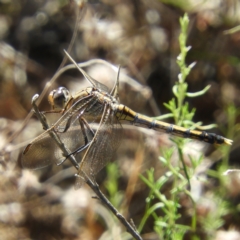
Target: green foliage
point(111, 185)
point(165, 210)
point(232, 30)
point(182, 4)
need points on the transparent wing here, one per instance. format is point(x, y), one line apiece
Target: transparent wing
point(100, 85)
point(44, 149)
point(101, 151)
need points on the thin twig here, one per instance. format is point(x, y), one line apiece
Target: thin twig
point(93, 185)
point(108, 204)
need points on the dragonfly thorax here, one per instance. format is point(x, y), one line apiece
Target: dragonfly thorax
point(104, 97)
point(58, 98)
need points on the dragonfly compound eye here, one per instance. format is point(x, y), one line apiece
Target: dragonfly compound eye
point(59, 98)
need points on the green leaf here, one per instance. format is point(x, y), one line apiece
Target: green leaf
point(164, 116)
point(232, 30)
point(199, 93)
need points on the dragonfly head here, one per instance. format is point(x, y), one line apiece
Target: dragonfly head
point(58, 98)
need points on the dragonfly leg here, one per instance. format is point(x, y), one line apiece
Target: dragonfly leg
point(76, 151)
point(87, 141)
point(52, 111)
point(88, 126)
point(66, 126)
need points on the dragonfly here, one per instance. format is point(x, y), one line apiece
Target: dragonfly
point(89, 129)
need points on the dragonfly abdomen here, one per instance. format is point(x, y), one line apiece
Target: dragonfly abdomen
point(127, 114)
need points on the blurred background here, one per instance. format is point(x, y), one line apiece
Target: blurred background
point(142, 37)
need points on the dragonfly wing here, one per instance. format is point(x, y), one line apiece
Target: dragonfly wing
point(105, 144)
point(73, 113)
point(108, 140)
point(39, 153)
point(44, 150)
point(100, 85)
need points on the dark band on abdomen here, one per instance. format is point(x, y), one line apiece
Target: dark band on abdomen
point(216, 138)
point(135, 118)
point(202, 136)
point(187, 133)
point(153, 124)
point(211, 138)
point(170, 129)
